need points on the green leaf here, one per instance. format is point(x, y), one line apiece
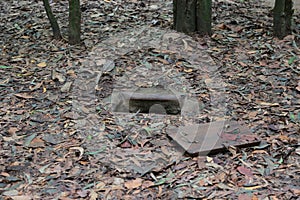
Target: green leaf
point(89, 137)
point(96, 152)
point(148, 65)
point(5, 67)
point(262, 146)
point(147, 129)
point(292, 117)
point(59, 57)
point(280, 161)
point(161, 182)
point(17, 26)
point(98, 109)
point(88, 186)
point(291, 60)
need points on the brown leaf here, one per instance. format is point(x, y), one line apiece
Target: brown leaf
point(80, 149)
point(221, 26)
point(298, 87)
point(254, 197)
point(58, 76)
point(66, 87)
point(71, 115)
point(42, 64)
point(126, 144)
point(20, 112)
point(12, 130)
point(296, 191)
point(82, 193)
point(37, 142)
point(100, 185)
point(267, 103)
point(245, 171)
point(24, 96)
point(284, 138)
point(165, 62)
point(37, 86)
point(134, 183)
point(5, 174)
point(71, 73)
point(21, 197)
point(244, 197)
point(147, 184)
point(93, 195)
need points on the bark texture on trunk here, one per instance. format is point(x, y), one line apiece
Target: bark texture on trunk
point(282, 18)
point(74, 21)
point(192, 16)
point(52, 19)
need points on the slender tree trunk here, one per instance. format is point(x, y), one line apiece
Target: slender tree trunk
point(192, 15)
point(74, 21)
point(282, 18)
point(185, 15)
point(53, 21)
point(204, 17)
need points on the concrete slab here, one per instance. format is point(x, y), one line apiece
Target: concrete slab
point(212, 137)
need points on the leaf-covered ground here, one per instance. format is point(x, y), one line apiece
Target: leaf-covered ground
point(60, 139)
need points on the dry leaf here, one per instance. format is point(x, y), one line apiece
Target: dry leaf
point(245, 171)
point(93, 195)
point(100, 185)
point(24, 96)
point(58, 76)
point(267, 103)
point(80, 149)
point(10, 193)
point(37, 86)
point(12, 130)
point(42, 64)
point(37, 142)
point(298, 87)
point(21, 197)
point(134, 183)
point(4, 174)
point(66, 87)
point(244, 197)
point(147, 184)
point(71, 73)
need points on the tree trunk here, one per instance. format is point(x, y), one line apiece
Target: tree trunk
point(192, 15)
point(185, 15)
point(74, 21)
point(204, 17)
point(282, 18)
point(53, 21)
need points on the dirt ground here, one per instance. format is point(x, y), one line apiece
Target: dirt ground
point(61, 139)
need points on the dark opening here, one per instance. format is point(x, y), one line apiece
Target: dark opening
point(169, 107)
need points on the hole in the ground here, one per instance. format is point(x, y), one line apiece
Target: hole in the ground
point(148, 100)
point(144, 105)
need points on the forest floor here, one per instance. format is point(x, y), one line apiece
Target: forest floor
point(60, 139)
point(271, 3)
